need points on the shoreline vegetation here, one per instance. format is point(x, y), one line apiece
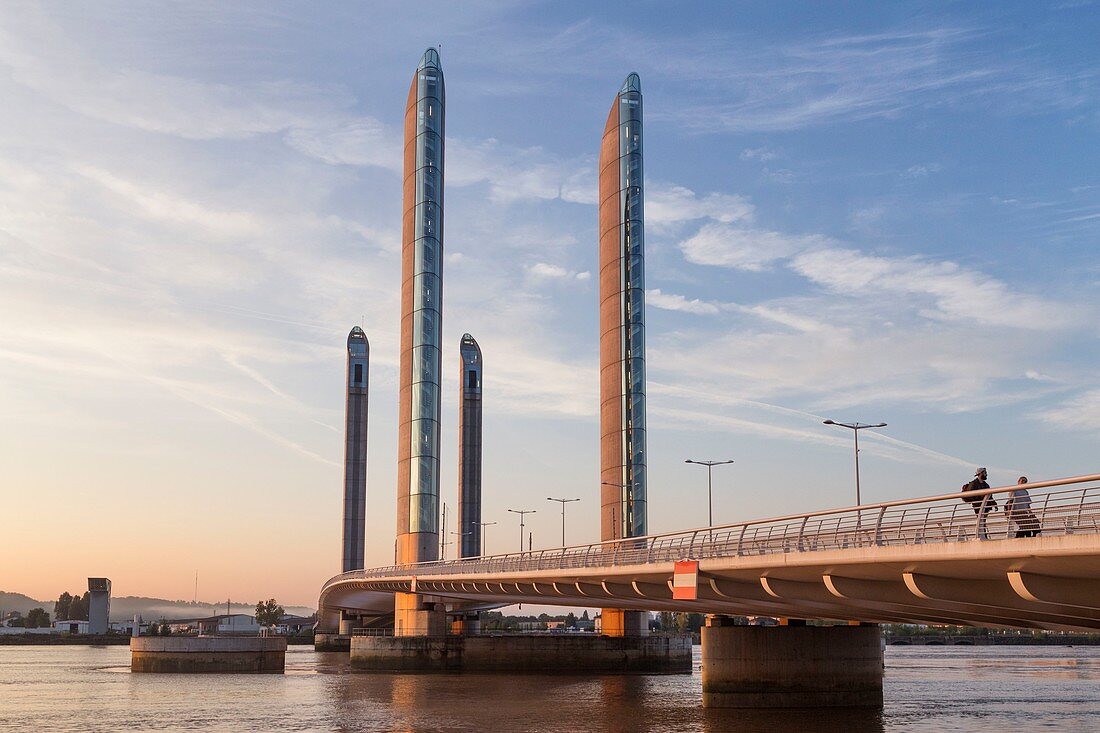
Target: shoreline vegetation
point(98, 640)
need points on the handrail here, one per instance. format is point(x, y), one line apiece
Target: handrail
point(1062, 511)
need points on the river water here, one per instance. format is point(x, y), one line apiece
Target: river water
point(75, 688)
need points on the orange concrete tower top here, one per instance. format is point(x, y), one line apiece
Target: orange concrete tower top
point(421, 316)
point(622, 319)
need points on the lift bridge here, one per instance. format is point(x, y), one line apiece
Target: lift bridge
point(932, 560)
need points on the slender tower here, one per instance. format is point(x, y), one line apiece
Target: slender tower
point(622, 334)
point(421, 337)
point(469, 448)
point(355, 451)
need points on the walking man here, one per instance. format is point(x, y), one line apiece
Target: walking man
point(983, 504)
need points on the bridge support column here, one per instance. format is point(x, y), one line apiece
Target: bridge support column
point(417, 615)
point(790, 666)
point(617, 622)
point(347, 623)
point(466, 624)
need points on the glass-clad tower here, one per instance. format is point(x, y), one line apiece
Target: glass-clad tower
point(469, 448)
point(421, 316)
point(622, 335)
point(355, 450)
point(622, 319)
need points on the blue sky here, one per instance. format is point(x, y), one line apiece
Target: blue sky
point(858, 211)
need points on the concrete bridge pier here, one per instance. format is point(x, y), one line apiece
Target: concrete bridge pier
point(617, 622)
point(793, 666)
point(466, 624)
point(418, 615)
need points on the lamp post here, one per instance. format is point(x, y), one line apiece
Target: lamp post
point(614, 517)
point(855, 427)
point(563, 502)
point(483, 526)
point(710, 485)
point(521, 513)
point(457, 541)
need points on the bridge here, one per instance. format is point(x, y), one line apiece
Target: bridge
point(931, 560)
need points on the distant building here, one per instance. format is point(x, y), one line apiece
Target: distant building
point(71, 627)
point(126, 627)
point(291, 625)
point(233, 623)
point(99, 605)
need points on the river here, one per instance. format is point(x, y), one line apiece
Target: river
point(75, 688)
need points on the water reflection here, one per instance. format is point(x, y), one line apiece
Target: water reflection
point(986, 690)
point(819, 720)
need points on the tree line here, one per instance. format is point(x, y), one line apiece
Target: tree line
point(71, 607)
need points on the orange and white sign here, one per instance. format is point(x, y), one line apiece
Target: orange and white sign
point(685, 581)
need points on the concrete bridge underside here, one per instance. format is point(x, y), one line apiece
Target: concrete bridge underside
point(1034, 583)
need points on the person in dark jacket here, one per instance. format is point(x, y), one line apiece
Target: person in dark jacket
point(982, 505)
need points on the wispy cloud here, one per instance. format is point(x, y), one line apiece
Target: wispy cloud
point(1081, 412)
point(555, 272)
point(674, 302)
point(744, 248)
point(860, 77)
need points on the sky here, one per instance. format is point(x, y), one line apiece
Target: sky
point(854, 211)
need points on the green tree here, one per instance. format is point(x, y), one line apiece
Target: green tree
point(152, 629)
point(61, 608)
point(37, 618)
point(78, 610)
point(165, 629)
point(16, 621)
point(269, 613)
point(570, 620)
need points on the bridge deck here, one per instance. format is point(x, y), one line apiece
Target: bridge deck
point(928, 560)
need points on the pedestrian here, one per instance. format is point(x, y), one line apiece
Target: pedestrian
point(983, 504)
point(1018, 508)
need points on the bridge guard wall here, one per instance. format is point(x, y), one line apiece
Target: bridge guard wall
point(791, 666)
point(203, 654)
point(574, 654)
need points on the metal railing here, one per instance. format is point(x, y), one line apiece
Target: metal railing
point(368, 631)
point(1060, 507)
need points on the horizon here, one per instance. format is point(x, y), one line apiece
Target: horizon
point(854, 213)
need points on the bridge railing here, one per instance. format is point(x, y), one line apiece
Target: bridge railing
point(1059, 507)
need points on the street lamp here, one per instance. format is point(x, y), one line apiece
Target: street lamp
point(855, 427)
point(614, 519)
point(483, 526)
point(521, 513)
point(563, 503)
point(710, 492)
point(458, 550)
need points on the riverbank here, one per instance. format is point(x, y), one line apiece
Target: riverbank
point(97, 640)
